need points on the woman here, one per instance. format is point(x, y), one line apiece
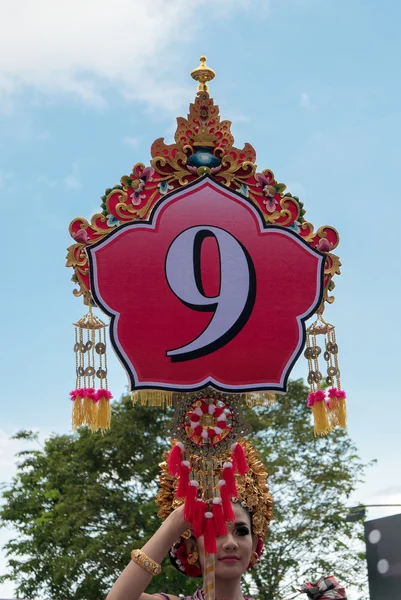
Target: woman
point(236, 552)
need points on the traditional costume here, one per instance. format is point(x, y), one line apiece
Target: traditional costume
point(253, 494)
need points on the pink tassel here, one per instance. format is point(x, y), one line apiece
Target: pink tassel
point(219, 521)
point(228, 476)
point(174, 459)
point(74, 394)
point(210, 534)
point(183, 482)
point(331, 395)
point(198, 521)
point(104, 394)
point(226, 501)
point(320, 395)
point(311, 399)
point(239, 460)
point(190, 501)
point(91, 393)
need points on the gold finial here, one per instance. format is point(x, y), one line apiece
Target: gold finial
point(203, 74)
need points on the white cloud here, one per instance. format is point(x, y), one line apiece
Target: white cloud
point(305, 100)
point(296, 189)
point(44, 136)
point(8, 450)
point(387, 504)
point(5, 178)
point(131, 141)
point(390, 490)
point(84, 48)
point(44, 180)
point(10, 447)
point(7, 89)
point(71, 180)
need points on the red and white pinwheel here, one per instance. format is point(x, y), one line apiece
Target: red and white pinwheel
point(207, 421)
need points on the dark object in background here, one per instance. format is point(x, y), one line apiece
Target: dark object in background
point(383, 552)
point(356, 514)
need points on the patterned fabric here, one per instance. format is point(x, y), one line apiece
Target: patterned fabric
point(199, 596)
point(327, 588)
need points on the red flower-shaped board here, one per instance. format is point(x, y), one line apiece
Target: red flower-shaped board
point(206, 293)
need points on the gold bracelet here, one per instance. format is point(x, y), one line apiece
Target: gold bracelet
point(142, 560)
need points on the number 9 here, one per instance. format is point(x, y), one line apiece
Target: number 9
point(233, 305)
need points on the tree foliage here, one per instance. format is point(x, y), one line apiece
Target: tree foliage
point(311, 480)
point(83, 501)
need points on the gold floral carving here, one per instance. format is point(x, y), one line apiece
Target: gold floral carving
point(171, 167)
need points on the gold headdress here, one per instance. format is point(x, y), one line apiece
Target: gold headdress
point(253, 492)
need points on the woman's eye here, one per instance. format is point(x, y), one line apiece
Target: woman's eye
point(242, 531)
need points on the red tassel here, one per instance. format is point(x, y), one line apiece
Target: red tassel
point(239, 460)
point(228, 476)
point(190, 501)
point(183, 482)
point(219, 521)
point(210, 534)
point(174, 459)
point(198, 522)
point(226, 501)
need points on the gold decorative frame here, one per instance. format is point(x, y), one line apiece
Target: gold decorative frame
point(203, 143)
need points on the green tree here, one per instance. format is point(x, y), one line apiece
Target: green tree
point(311, 480)
point(83, 501)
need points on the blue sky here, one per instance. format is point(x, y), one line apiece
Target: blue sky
point(313, 85)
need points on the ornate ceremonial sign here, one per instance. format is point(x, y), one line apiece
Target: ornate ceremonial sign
point(208, 271)
point(205, 293)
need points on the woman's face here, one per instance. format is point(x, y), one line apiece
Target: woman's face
point(234, 550)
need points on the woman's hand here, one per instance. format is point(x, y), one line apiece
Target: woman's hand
point(176, 521)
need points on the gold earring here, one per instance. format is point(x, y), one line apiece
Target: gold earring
point(254, 558)
point(193, 558)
